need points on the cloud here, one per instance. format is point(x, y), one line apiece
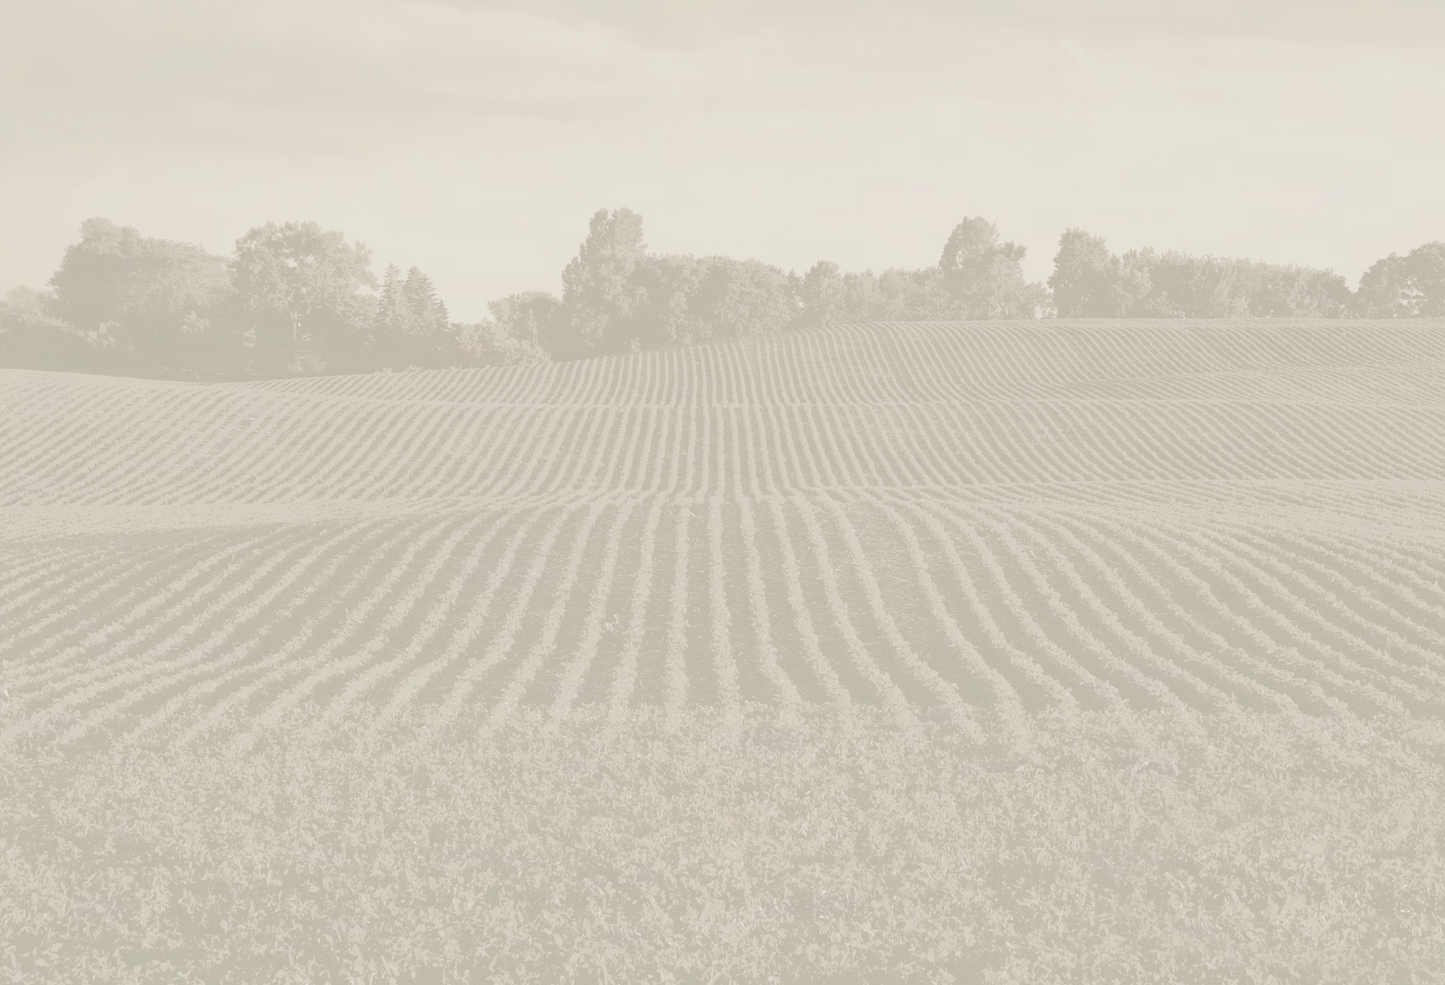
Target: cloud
point(1407, 23)
point(475, 138)
point(307, 75)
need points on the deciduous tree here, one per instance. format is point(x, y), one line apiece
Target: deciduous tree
point(300, 283)
point(163, 304)
point(674, 312)
point(33, 336)
point(601, 294)
point(824, 295)
point(744, 297)
point(1410, 286)
point(1083, 281)
point(984, 275)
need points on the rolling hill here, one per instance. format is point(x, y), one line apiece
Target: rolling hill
point(962, 522)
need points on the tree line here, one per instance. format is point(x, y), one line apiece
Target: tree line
point(295, 298)
point(1090, 282)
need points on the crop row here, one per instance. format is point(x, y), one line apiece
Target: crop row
point(915, 406)
point(912, 601)
point(914, 362)
point(376, 454)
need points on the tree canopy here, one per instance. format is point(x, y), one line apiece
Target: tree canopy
point(152, 302)
point(294, 293)
point(300, 283)
point(1410, 286)
point(984, 276)
point(409, 325)
point(1090, 282)
point(601, 293)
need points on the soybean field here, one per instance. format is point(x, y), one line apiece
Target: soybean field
point(967, 536)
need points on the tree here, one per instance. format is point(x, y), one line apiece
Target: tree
point(673, 312)
point(862, 297)
point(914, 295)
point(824, 295)
point(33, 336)
point(163, 303)
point(1130, 283)
point(743, 297)
point(1089, 281)
point(409, 325)
point(1197, 287)
point(616, 297)
point(1412, 286)
point(827, 294)
point(1083, 281)
point(300, 283)
point(1427, 273)
point(1293, 291)
point(429, 313)
point(515, 334)
point(981, 273)
point(968, 254)
point(391, 320)
point(601, 294)
point(977, 276)
point(984, 276)
point(526, 316)
point(1136, 294)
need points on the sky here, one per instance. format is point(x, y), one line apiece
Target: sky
point(475, 139)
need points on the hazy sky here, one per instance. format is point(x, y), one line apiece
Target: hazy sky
point(475, 139)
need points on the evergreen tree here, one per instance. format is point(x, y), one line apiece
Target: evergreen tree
point(393, 316)
point(392, 323)
point(410, 325)
point(429, 314)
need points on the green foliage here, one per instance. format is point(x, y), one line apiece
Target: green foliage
point(819, 852)
point(617, 298)
point(601, 292)
point(33, 336)
point(513, 335)
point(159, 303)
point(301, 285)
point(1412, 286)
point(984, 276)
point(1085, 277)
point(1090, 282)
point(409, 324)
point(977, 276)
